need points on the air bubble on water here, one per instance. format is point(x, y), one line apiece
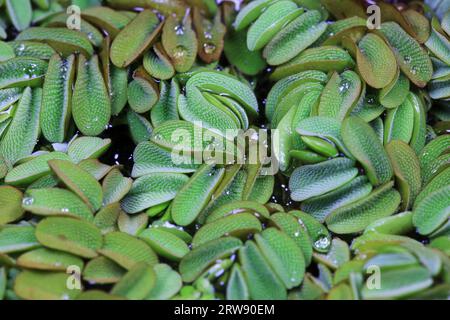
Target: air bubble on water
point(407, 59)
point(209, 48)
point(414, 70)
point(208, 35)
point(179, 52)
point(90, 35)
point(21, 47)
point(322, 243)
point(179, 30)
point(27, 201)
point(296, 234)
point(65, 210)
point(345, 85)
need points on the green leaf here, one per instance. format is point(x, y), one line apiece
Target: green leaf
point(20, 13)
point(102, 270)
point(321, 206)
point(118, 90)
point(250, 13)
point(150, 158)
point(238, 225)
point(295, 37)
point(237, 53)
point(325, 58)
point(82, 148)
point(167, 106)
point(237, 288)
point(47, 259)
point(106, 219)
point(397, 224)
point(105, 18)
point(57, 98)
point(11, 204)
point(340, 95)
point(283, 254)
point(157, 63)
point(21, 72)
point(270, 22)
point(126, 250)
point(376, 62)
point(39, 285)
point(399, 283)
point(21, 137)
point(412, 59)
point(195, 194)
point(63, 40)
point(137, 283)
point(168, 283)
point(294, 229)
point(165, 243)
point(179, 42)
point(142, 93)
point(439, 45)
point(17, 238)
point(431, 212)
point(263, 283)
point(115, 186)
point(6, 51)
point(153, 189)
point(406, 170)
point(399, 123)
point(195, 262)
point(395, 93)
point(338, 254)
point(234, 207)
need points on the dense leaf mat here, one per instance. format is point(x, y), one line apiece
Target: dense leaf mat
point(94, 204)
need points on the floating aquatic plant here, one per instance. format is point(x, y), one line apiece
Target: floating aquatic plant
point(96, 98)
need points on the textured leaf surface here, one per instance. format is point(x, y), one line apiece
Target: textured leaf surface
point(356, 216)
point(78, 237)
point(127, 250)
point(365, 146)
point(56, 202)
point(91, 107)
point(314, 180)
